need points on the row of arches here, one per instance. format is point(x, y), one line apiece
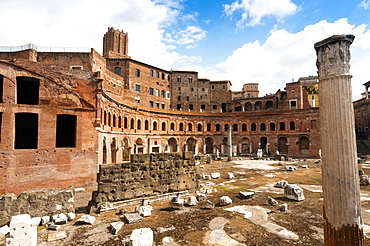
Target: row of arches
point(125, 122)
point(254, 106)
point(115, 151)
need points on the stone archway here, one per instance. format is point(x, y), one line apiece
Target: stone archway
point(139, 146)
point(172, 143)
point(104, 151)
point(191, 145)
point(125, 150)
point(209, 142)
point(245, 146)
point(113, 150)
point(283, 145)
point(304, 145)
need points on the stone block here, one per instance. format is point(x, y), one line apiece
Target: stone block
point(192, 201)
point(209, 205)
point(230, 175)
point(87, 219)
point(54, 227)
point(281, 184)
point(246, 195)
point(201, 197)
point(294, 192)
point(115, 227)
point(271, 201)
point(177, 202)
point(215, 175)
point(225, 200)
point(45, 219)
point(142, 237)
point(130, 218)
point(60, 219)
point(145, 211)
point(283, 207)
point(71, 216)
point(57, 235)
point(23, 230)
point(4, 230)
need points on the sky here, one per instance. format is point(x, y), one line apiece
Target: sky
point(270, 42)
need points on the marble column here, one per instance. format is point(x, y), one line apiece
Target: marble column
point(340, 181)
point(229, 144)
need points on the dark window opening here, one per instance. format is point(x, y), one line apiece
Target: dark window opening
point(178, 106)
point(218, 127)
point(263, 127)
point(66, 131)
point(208, 127)
point(137, 72)
point(191, 107)
point(28, 90)
point(1, 89)
point(253, 127)
point(244, 127)
point(181, 127)
point(190, 127)
point(292, 125)
point(235, 127)
point(117, 70)
point(26, 130)
point(226, 127)
point(199, 127)
point(282, 126)
point(272, 126)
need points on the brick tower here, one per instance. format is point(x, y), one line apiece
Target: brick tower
point(115, 44)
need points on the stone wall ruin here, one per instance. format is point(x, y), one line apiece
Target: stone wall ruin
point(146, 175)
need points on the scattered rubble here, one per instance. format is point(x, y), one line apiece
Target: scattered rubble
point(142, 237)
point(294, 192)
point(115, 227)
point(87, 219)
point(225, 200)
point(130, 218)
point(271, 201)
point(246, 195)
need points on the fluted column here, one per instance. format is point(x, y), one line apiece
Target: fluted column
point(341, 190)
point(229, 144)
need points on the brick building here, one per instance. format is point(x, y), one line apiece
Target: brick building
point(65, 113)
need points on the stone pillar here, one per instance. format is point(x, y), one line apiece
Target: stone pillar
point(229, 144)
point(341, 190)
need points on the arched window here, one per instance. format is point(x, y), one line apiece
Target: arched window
point(291, 125)
point(218, 127)
point(114, 120)
point(226, 127)
point(282, 126)
point(191, 107)
point(258, 105)
point(109, 119)
point(125, 123)
point(138, 124)
point(163, 126)
point(105, 118)
point(172, 126)
point(146, 125)
point(244, 127)
point(155, 127)
point(248, 106)
point(181, 127)
point(119, 121)
point(272, 126)
point(235, 127)
point(190, 127)
point(253, 127)
point(132, 125)
point(208, 127)
point(199, 127)
point(263, 127)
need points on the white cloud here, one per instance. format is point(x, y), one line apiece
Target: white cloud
point(364, 4)
point(286, 56)
point(191, 34)
point(252, 11)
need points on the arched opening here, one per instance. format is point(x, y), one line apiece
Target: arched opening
point(132, 125)
point(245, 146)
point(125, 150)
point(235, 127)
point(258, 105)
point(226, 127)
point(272, 126)
point(172, 126)
point(224, 149)
point(113, 150)
point(139, 146)
point(282, 126)
point(114, 120)
point(218, 127)
point(163, 126)
point(263, 127)
point(172, 143)
point(117, 70)
point(292, 125)
point(119, 121)
point(199, 127)
point(253, 127)
point(138, 124)
point(244, 127)
point(304, 146)
point(248, 106)
point(104, 151)
point(208, 127)
point(269, 105)
point(238, 107)
point(181, 127)
point(105, 118)
point(263, 144)
point(125, 123)
point(191, 143)
point(282, 145)
point(191, 107)
point(209, 145)
point(190, 127)
point(155, 125)
point(109, 119)
point(146, 125)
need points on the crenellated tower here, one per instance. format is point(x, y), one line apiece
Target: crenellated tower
point(115, 44)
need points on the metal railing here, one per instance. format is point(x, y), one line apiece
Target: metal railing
point(44, 48)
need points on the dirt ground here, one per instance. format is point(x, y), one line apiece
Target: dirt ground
point(190, 225)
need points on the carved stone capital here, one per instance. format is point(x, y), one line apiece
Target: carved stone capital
point(333, 55)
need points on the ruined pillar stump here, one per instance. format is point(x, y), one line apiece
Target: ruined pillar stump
point(341, 190)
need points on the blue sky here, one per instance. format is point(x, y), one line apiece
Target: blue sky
point(269, 42)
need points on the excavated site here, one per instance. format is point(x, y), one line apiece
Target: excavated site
point(256, 211)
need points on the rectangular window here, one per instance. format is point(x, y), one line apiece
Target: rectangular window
point(201, 97)
point(151, 103)
point(137, 88)
point(178, 106)
point(163, 76)
point(191, 89)
point(293, 104)
point(179, 88)
point(163, 93)
point(212, 87)
point(28, 90)
point(157, 92)
point(137, 72)
point(178, 79)
point(179, 98)
point(190, 80)
point(202, 89)
point(162, 105)
point(157, 74)
point(187, 98)
point(66, 131)
point(26, 130)
point(151, 91)
point(151, 73)
point(214, 106)
point(157, 105)
point(168, 95)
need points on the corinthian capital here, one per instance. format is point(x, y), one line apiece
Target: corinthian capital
point(333, 55)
